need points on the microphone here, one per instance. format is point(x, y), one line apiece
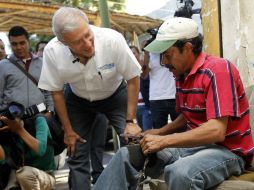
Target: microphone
point(76, 60)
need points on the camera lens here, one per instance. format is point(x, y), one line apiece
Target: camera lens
point(15, 111)
point(1, 124)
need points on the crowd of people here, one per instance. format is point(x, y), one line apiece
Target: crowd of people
point(15, 86)
point(183, 106)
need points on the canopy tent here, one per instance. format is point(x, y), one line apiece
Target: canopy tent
point(36, 18)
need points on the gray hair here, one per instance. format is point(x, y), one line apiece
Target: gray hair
point(67, 19)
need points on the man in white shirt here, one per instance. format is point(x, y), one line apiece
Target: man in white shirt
point(96, 62)
point(162, 90)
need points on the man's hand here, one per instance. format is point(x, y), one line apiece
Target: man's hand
point(152, 143)
point(152, 132)
point(132, 129)
point(70, 139)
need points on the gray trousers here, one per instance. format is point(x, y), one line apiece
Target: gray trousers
point(97, 145)
point(82, 114)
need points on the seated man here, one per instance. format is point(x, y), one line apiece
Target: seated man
point(214, 108)
point(35, 169)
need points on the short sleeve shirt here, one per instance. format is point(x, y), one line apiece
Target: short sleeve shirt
point(162, 82)
point(100, 77)
point(213, 89)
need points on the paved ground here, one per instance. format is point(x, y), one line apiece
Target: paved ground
point(62, 174)
point(62, 179)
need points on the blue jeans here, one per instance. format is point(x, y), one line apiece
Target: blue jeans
point(185, 168)
point(144, 117)
point(160, 109)
point(82, 114)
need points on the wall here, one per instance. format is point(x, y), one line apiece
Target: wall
point(238, 36)
point(235, 40)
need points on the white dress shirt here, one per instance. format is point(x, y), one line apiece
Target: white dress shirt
point(100, 77)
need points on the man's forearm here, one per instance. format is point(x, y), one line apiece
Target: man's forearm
point(176, 125)
point(210, 132)
point(60, 106)
point(133, 90)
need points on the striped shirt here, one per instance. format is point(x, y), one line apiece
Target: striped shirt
point(213, 89)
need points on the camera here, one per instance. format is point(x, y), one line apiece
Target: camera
point(186, 10)
point(17, 110)
point(153, 32)
point(14, 110)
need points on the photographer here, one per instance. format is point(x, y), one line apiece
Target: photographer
point(37, 157)
point(15, 84)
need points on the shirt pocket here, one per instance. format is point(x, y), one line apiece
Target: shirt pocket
point(194, 100)
point(108, 72)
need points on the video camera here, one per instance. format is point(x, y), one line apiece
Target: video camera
point(186, 10)
point(13, 111)
point(153, 32)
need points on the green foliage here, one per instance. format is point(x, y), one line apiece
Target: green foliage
point(114, 5)
point(118, 5)
point(34, 39)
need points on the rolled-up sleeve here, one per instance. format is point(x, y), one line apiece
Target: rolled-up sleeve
point(126, 62)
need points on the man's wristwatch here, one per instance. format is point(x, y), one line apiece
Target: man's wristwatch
point(134, 121)
point(51, 112)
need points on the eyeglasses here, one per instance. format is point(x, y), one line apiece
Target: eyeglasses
point(163, 56)
point(161, 60)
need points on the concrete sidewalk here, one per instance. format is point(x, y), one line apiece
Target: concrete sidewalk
point(62, 174)
point(62, 180)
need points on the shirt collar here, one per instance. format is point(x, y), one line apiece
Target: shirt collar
point(96, 43)
point(33, 56)
point(198, 63)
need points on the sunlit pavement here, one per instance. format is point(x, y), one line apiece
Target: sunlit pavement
point(62, 174)
point(62, 179)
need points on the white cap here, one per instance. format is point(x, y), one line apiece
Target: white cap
point(176, 28)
